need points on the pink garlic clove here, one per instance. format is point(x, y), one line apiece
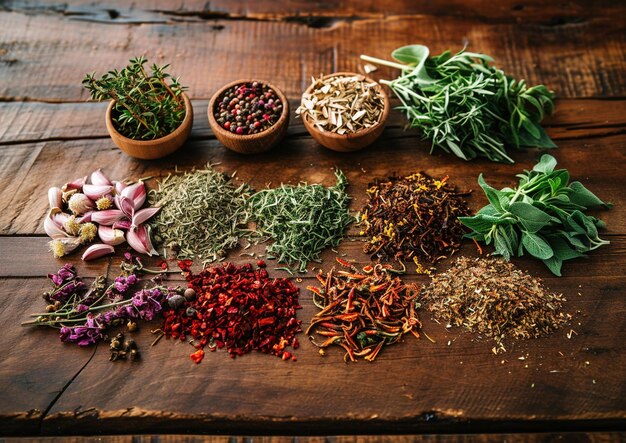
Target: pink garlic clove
point(74, 185)
point(139, 240)
point(98, 178)
point(107, 217)
point(96, 251)
point(80, 203)
point(64, 246)
point(111, 236)
point(53, 226)
point(136, 193)
point(94, 192)
point(143, 215)
point(55, 197)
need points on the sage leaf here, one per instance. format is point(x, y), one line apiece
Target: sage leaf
point(582, 196)
point(554, 264)
point(546, 164)
point(536, 246)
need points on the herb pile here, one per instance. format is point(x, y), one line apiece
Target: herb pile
point(543, 216)
point(342, 104)
point(239, 308)
point(413, 218)
point(494, 298)
point(147, 106)
point(467, 107)
point(362, 311)
point(203, 214)
point(302, 220)
point(95, 208)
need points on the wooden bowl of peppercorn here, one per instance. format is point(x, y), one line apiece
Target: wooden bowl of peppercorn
point(249, 116)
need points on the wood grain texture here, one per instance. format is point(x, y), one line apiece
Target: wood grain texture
point(566, 57)
point(50, 135)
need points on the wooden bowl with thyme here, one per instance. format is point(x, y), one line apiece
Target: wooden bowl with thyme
point(249, 116)
point(344, 111)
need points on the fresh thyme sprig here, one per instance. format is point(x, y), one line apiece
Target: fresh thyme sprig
point(467, 107)
point(148, 106)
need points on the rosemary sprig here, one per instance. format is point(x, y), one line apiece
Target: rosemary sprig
point(302, 220)
point(467, 107)
point(147, 107)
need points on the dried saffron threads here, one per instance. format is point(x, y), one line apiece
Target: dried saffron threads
point(239, 308)
point(362, 311)
point(413, 218)
point(203, 214)
point(495, 298)
point(302, 220)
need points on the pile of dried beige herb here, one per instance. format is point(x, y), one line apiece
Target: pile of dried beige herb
point(495, 298)
point(342, 104)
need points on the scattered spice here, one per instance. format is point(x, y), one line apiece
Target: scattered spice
point(342, 104)
point(362, 311)
point(413, 218)
point(302, 220)
point(236, 307)
point(203, 214)
point(248, 108)
point(495, 298)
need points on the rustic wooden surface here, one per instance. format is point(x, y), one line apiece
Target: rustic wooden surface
point(50, 135)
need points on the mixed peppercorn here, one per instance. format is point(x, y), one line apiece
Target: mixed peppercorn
point(248, 108)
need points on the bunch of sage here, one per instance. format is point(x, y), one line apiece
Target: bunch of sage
point(542, 216)
point(302, 220)
point(467, 107)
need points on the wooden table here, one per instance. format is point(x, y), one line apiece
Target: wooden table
point(49, 135)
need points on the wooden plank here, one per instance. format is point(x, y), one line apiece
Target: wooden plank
point(33, 369)
point(322, 14)
point(30, 122)
point(572, 437)
point(61, 50)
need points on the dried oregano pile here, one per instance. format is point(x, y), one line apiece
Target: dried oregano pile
point(495, 298)
point(203, 214)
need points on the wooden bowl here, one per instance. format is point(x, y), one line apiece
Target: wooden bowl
point(251, 143)
point(157, 148)
point(353, 141)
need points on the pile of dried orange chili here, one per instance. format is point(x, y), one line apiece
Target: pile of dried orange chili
point(362, 311)
point(237, 307)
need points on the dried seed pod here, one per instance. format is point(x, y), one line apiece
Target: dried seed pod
point(134, 355)
point(131, 326)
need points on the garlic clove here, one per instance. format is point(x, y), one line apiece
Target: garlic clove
point(79, 203)
point(139, 240)
point(74, 185)
point(63, 246)
point(125, 204)
point(107, 217)
point(143, 215)
point(96, 251)
point(122, 224)
point(55, 197)
point(98, 178)
point(111, 236)
point(94, 192)
point(119, 187)
point(53, 226)
point(136, 193)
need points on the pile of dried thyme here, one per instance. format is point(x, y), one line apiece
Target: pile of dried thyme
point(342, 104)
point(302, 220)
point(362, 310)
point(495, 298)
point(413, 218)
point(203, 214)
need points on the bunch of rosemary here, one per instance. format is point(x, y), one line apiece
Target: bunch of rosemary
point(467, 107)
point(302, 220)
point(146, 106)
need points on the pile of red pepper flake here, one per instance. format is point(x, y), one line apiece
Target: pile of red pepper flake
point(236, 307)
point(362, 311)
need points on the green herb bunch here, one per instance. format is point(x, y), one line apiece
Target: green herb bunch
point(146, 106)
point(302, 220)
point(542, 216)
point(467, 107)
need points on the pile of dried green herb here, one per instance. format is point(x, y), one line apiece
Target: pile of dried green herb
point(203, 214)
point(302, 220)
point(495, 298)
point(413, 218)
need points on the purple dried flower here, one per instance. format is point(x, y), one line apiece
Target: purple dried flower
point(65, 274)
point(85, 335)
point(82, 308)
point(64, 292)
point(146, 302)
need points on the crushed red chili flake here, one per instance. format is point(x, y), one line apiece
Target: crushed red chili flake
point(237, 307)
